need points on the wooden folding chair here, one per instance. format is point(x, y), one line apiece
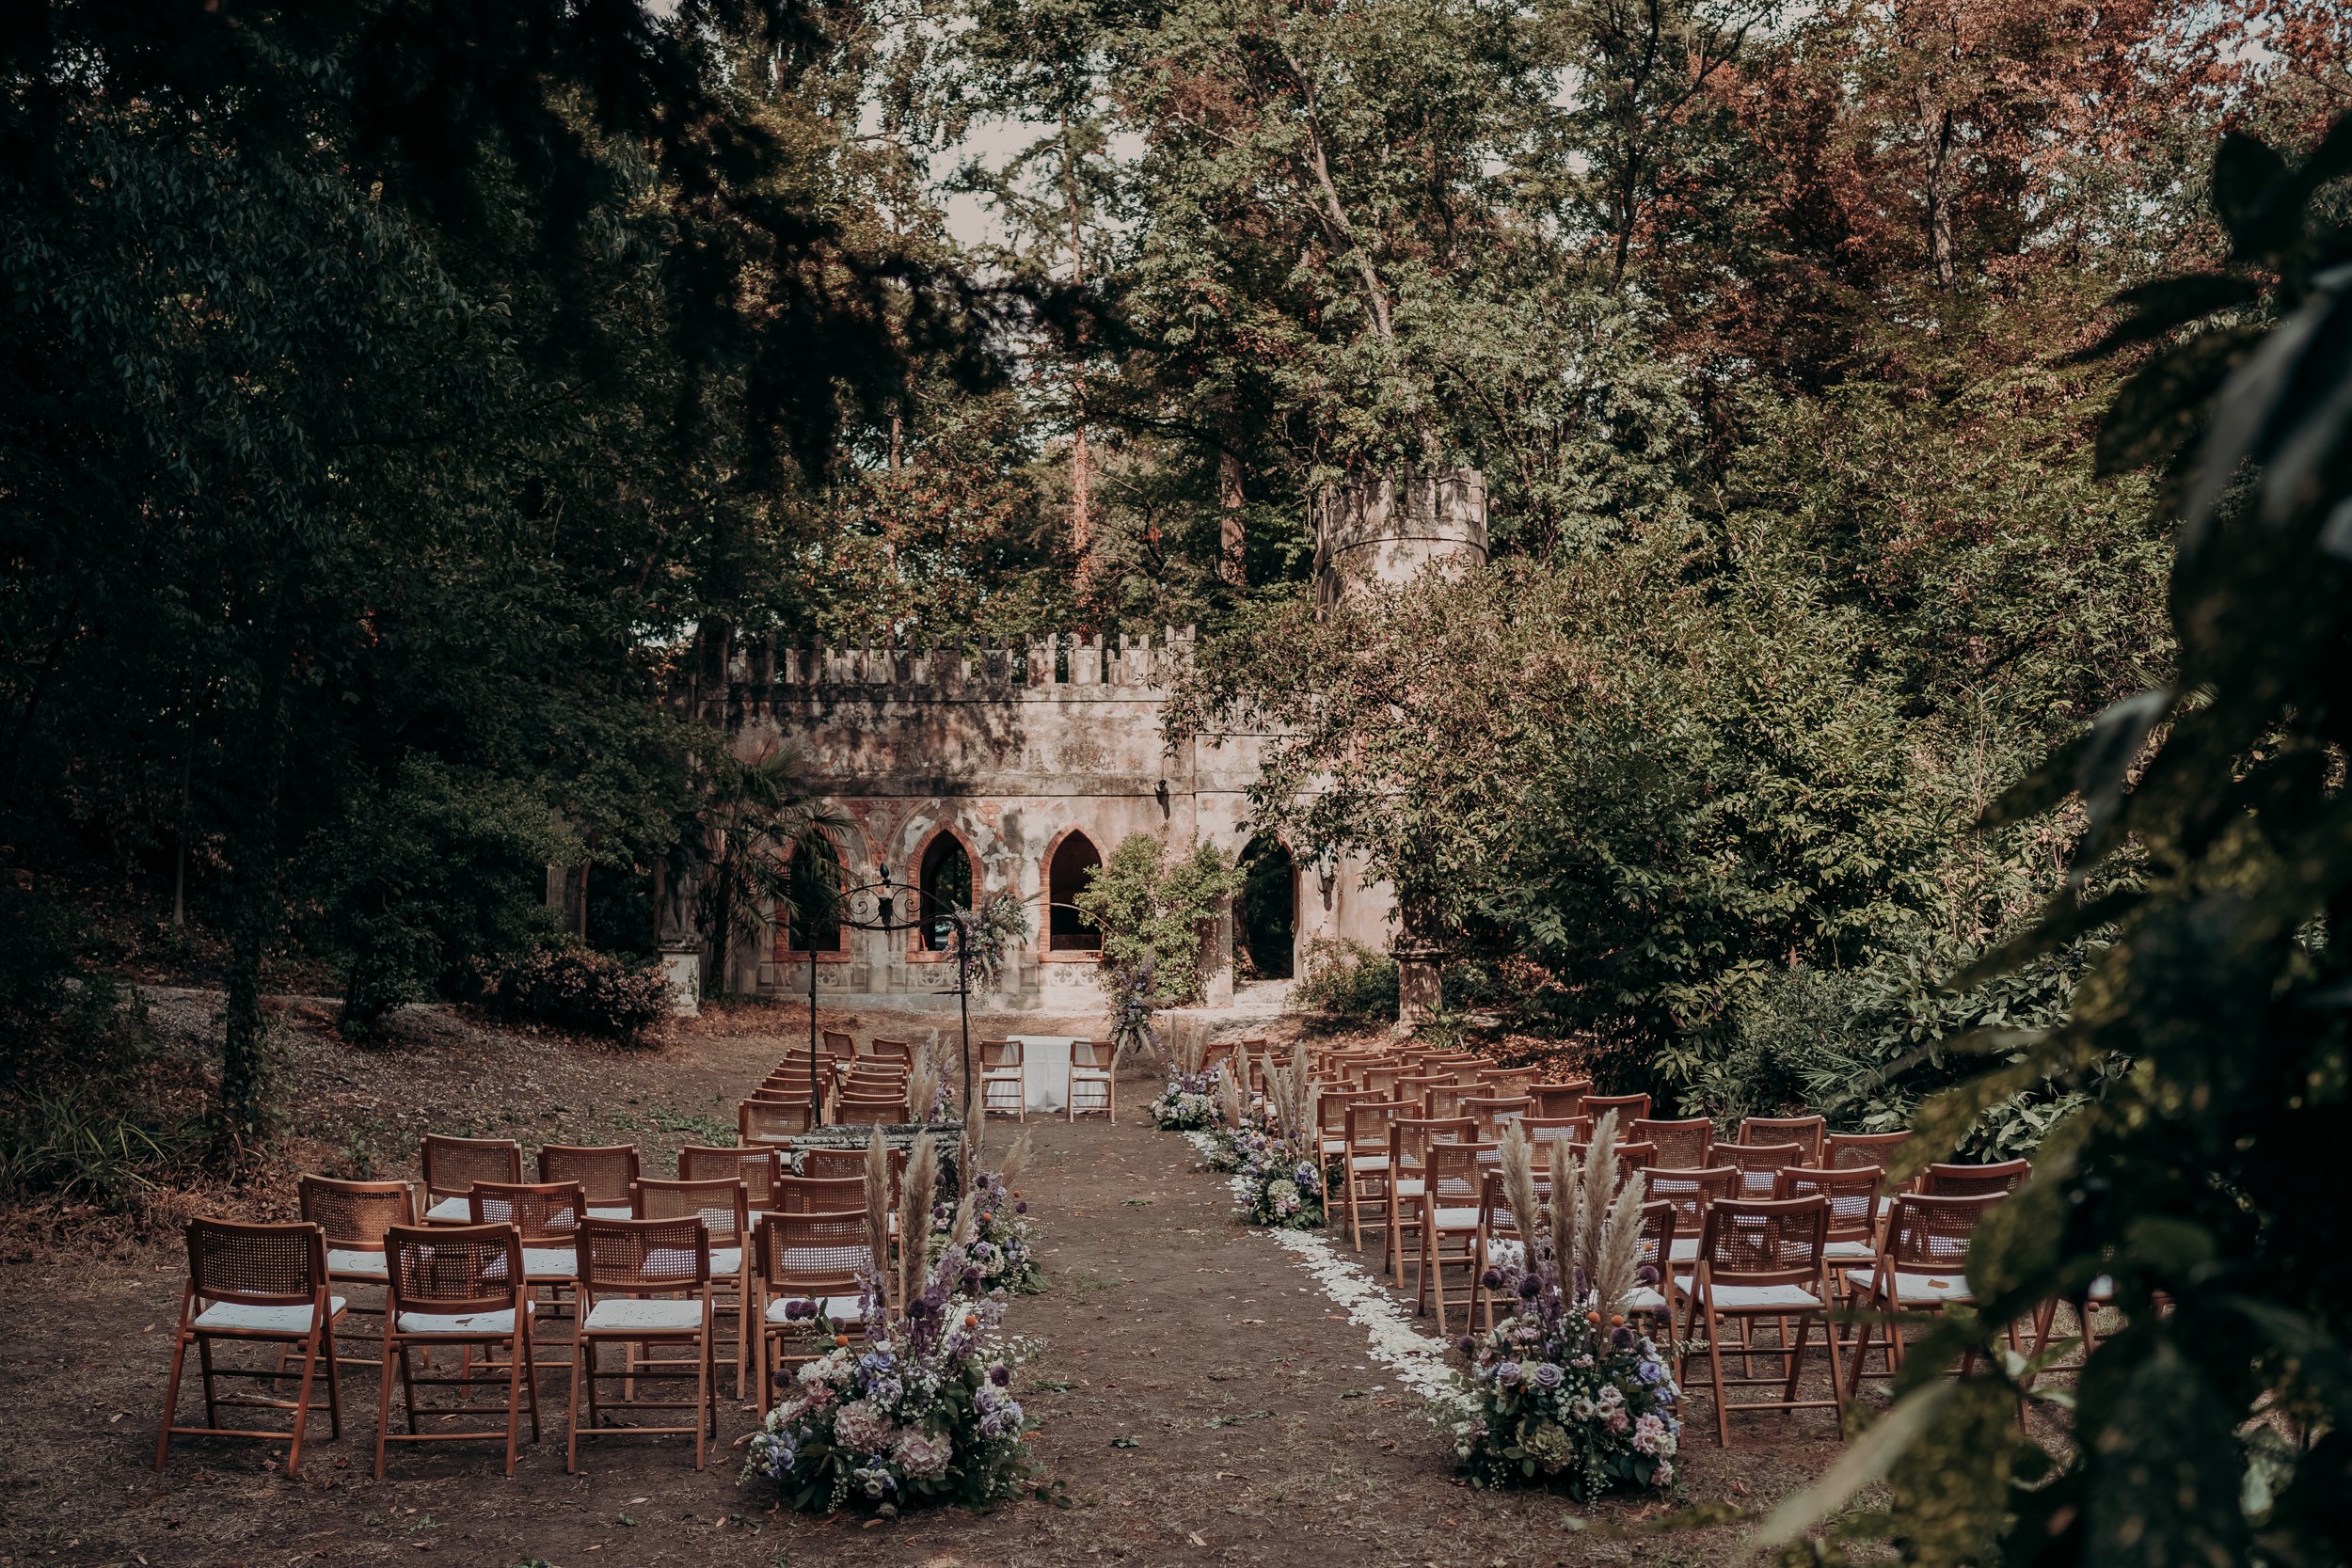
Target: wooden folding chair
point(839, 1046)
point(1564, 1098)
point(1454, 1179)
point(1492, 1113)
point(1922, 1268)
point(1005, 1079)
point(808, 1268)
point(452, 1165)
point(605, 1173)
point(1511, 1082)
point(1498, 1224)
point(545, 1217)
point(771, 1122)
point(1682, 1144)
point(1690, 1192)
point(1629, 1107)
point(462, 1287)
point(1091, 1081)
point(1999, 1179)
point(1760, 1165)
point(724, 1208)
point(1807, 1132)
point(355, 1216)
point(1764, 1260)
point(758, 1169)
point(1842, 1151)
point(1409, 1138)
point(257, 1285)
point(1366, 1148)
point(900, 1052)
point(643, 1283)
point(1854, 1209)
point(857, 1110)
point(1660, 1219)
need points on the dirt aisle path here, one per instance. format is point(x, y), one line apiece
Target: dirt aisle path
point(1200, 1400)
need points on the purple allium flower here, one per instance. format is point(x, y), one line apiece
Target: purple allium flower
point(1492, 1279)
point(1000, 1374)
point(1646, 1274)
point(971, 1279)
point(1621, 1336)
point(921, 1306)
point(1530, 1287)
point(1021, 1208)
point(1467, 1345)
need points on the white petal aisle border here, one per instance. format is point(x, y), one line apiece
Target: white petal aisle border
point(1207, 1150)
point(1418, 1360)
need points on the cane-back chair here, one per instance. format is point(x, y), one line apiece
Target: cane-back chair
point(355, 1218)
point(808, 1278)
point(1004, 1079)
point(1682, 1144)
point(1758, 1259)
point(605, 1172)
point(1807, 1132)
point(642, 1284)
point(452, 1165)
point(462, 1288)
point(724, 1208)
point(263, 1285)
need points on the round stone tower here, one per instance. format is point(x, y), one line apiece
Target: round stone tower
point(1381, 532)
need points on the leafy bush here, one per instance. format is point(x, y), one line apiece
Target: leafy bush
point(576, 988)
point(1156, 915)
point(1347, 980)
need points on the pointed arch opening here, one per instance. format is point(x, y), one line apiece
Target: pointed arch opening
point(1265, 918)
point(813, 884)
point(1068, 873)
point(944, 884)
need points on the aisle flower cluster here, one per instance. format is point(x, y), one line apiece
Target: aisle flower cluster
point(1188, 1105)
point(1562, 1397)
point(1003, 1248)
point(1275, 1186)
point(917, 1410)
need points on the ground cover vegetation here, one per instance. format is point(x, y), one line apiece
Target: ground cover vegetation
point(395, 406)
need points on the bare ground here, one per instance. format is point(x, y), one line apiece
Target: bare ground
point(1261, 1430)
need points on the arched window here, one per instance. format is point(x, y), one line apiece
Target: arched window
point(943, 881)
point(813, 884)
point(1068, 875)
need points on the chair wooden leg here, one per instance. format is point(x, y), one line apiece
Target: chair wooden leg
point(334, 1389)
point(384, 1401)
point(518, 1354)
point(1715, 1370)
point(302, 1394)
point(171, 1396)
point(204, 1368)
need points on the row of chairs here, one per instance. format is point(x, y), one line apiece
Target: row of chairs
point(734, 1234)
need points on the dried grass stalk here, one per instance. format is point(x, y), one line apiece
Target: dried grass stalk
point(1518, 1186)
point(1620, 1248)
point(878, 1210)
point(1016, 1160)
point(922, 1086)
point(1564, 1204)
point(1228, 1093)
point(1601, 1190)
point(915, 1215)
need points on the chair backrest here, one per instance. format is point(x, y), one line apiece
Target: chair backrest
point(452, 1165)
point(814, 1255)
point(1561, 1100)
point(756, 1168)
point(257, 1265)
point(547, 1212)
point(604, 1172)
point(1381, 1077)
point(1368, 1123)
point(1807, 1132)
point(833, 1162)
point(1454, 1174)
point(1450, 1100)
point(770, 1121)
point(858, 1111)
point(1539, 1130)
point(1331, 1108)
point(1509, 1082)
point(1842, 1150)
point(1662, 1218)
point(890, 1051)
point(1494, 1202)
point(1094, 1054)
point(817, 1195)
point(354, 1216)
point(1975, 1180)
point(1932, 1233)
point(1765, 1241)
point(455, 1270)
point(643, 1256)
point(1691, 1191)
point(721, 1204)
point(1853, 1196)
point(1682, 1144)
point(1631, 1156)
point(839, 1045)
point(1494, 1112)
point(1629, 1107)
point(1760, 1165)
point(1002, 1053)
point(1217, 1052)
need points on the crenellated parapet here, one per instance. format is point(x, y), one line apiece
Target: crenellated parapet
point(1052, 664)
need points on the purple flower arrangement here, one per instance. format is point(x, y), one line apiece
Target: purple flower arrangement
point(1188, 1105)
point(1003, 1248)
point(1560, 1396)
point(1274, 1185)
point(915, 1410)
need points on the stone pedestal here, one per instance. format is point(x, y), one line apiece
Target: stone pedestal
point(683, 968)
point(1418, 995)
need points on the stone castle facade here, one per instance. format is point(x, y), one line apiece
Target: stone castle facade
point(1018, 768)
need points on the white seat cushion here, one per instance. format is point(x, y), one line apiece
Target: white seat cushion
point(1409, 1186)
point(1918, 1290)
point(1333, 1145)
point(725, 1262)
point(1368, 1162)
point(1740, 1298)
point(835, 1308)
point(1643, 1299)
point(451, 1211)
point(551, 1262)
point(2102, 1289)
point(1686, 1249)
point(367, 1265)
point(611, 1211)
point(621, 1314)
point(228, 1317)
point(1458, 1219)
point(457, 1323)
point(1850, 1252)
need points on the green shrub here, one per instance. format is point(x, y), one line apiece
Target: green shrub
point(1158, 913)
point(1347, 980)
point(578, 989)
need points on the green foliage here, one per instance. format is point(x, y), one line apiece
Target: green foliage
point(2189, 1181)
point(1347, 980)
point(1156, 915)
point(575, 989)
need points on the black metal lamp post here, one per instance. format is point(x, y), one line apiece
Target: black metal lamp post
point(942, 925)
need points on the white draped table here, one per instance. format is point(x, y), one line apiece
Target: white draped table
point(1045, 1069)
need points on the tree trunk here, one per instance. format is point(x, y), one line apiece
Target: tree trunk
point(1936, 136)
point(1230, 561)
point(240, 1123)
